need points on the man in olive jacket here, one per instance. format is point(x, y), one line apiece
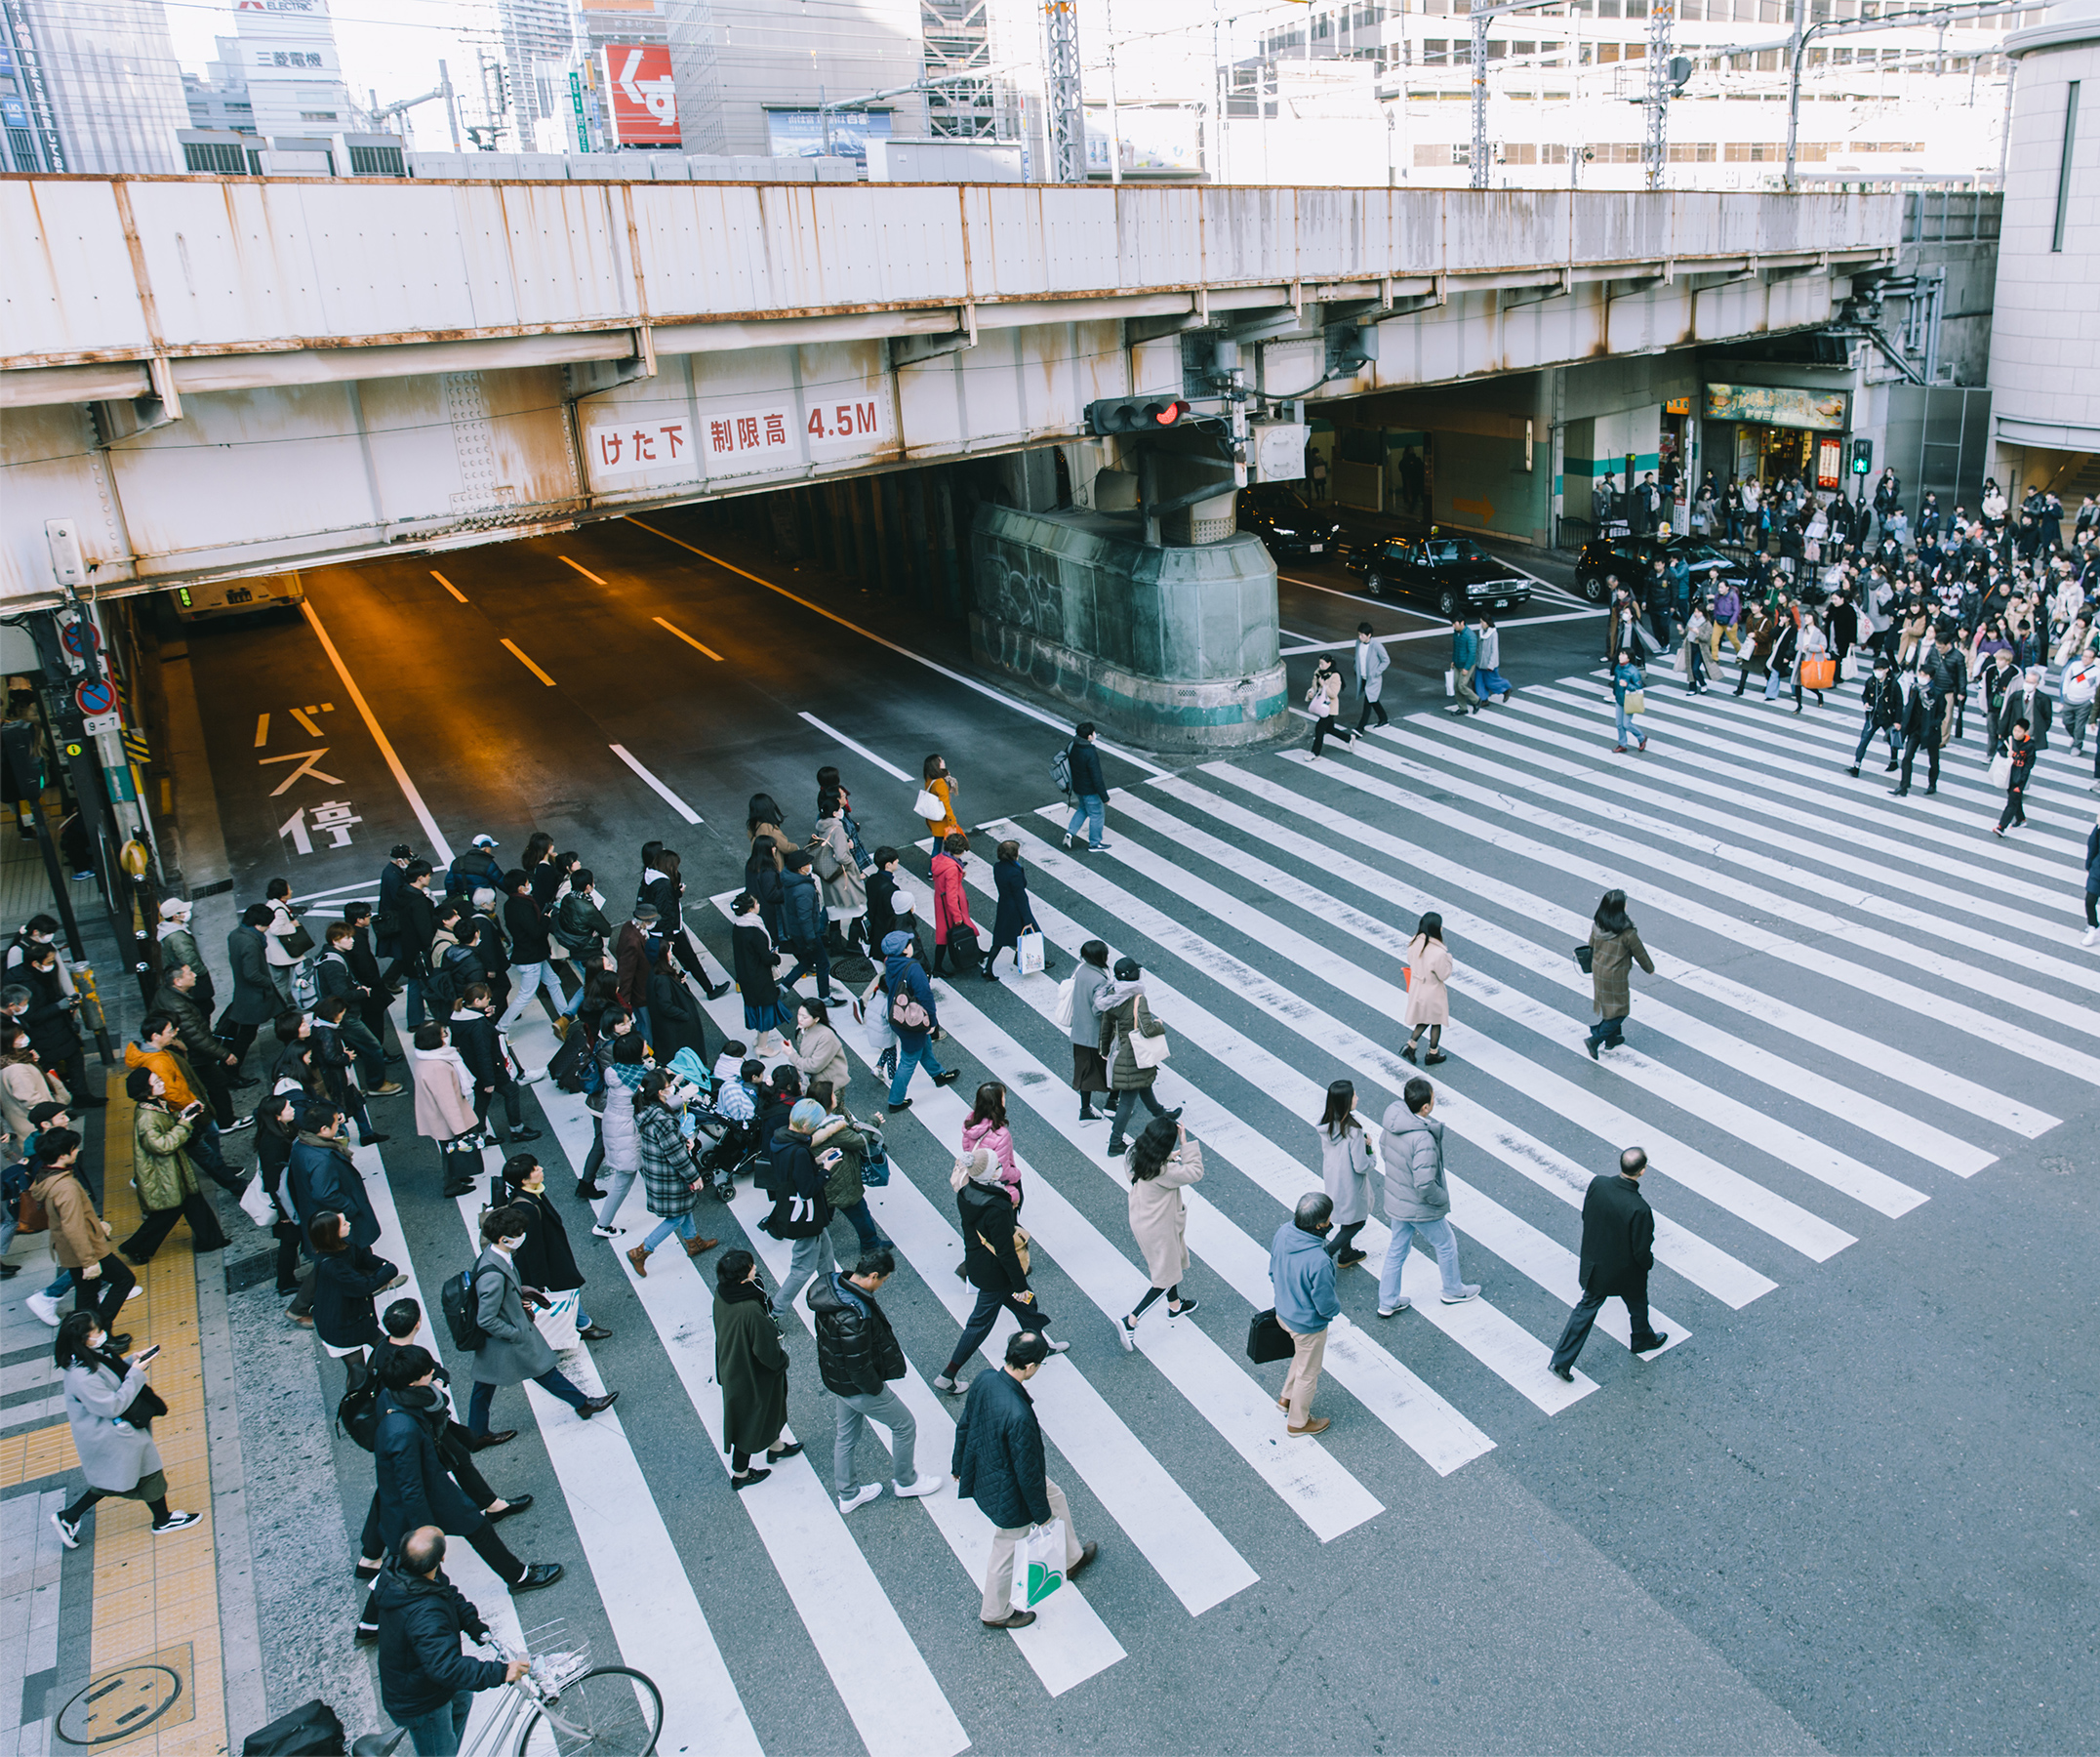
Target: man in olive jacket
point(998, 1464)
point(1618, 1249)
point(856, 1357)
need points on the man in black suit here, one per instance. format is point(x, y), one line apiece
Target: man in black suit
point(1618, 1249)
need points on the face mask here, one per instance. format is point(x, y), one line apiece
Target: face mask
point(513, 1243)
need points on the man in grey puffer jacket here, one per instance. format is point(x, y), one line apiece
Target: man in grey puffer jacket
point(1417, 1201)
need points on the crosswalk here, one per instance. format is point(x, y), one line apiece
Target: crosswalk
point(1860, 1003)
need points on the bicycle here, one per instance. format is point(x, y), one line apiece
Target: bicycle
point(561, 1706)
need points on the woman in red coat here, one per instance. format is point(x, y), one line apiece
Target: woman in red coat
point(951, 906)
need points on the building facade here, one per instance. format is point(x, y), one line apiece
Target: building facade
point(2046, 337)
point(292, 68)
point(91, 90)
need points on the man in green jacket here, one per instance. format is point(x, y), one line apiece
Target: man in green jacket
point(161, 1171)
point(1465, 655)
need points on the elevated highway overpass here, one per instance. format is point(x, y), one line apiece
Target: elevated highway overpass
point(221, 377)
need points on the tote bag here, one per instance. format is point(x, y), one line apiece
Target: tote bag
point(1039, 1564)
point(928, 806)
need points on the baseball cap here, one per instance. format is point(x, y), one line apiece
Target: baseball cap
point(173, 909)
point(486, 841)
point(401, 851)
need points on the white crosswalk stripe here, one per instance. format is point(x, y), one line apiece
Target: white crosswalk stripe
point(1270, 899)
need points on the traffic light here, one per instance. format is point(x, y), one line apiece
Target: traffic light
point(1862, 457)
point(1135, 414)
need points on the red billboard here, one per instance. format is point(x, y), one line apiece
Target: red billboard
point(644, 98)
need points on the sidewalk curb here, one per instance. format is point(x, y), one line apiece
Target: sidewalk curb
point(239, 1630)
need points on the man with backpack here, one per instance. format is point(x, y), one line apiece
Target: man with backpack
point(476, 869)
point(1081, 776)
point(334, 971)
point(485, 1311)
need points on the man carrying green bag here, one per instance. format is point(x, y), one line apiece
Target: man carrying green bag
point(998, 1464)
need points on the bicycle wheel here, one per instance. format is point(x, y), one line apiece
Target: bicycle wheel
point(610, 1711)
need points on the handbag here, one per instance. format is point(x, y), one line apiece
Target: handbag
point(1148, 1051)
point(928, 806)
point(556, 1321)
point(1819, 674)
point(299, 942)
point(1586, 956)
point(255, 1202)
point(1039, 1564)
point(1028, 953)
point(1637, 701)
point(1063, 1012)
point(2002, 770)
point(1267, 1339)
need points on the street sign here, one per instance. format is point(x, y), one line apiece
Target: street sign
point(97, 723)
point(81, 638)
point(96, 696)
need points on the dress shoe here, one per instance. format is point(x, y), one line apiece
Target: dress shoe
point(590, 1192)
point(793, 1448)
point(596, 1333)
point(597, 1405)
point(374, 1139)
point(748, 1479)
point(1317, 1426)
point(1564, 1373)
point(1652, 1343)
point(1012, 1619)
point(501, 1436)
point(524, 1134)
point(452, 1191)
point(1086, 1559)
point(511, 1506)
point(392, 1089)
point(539, 1575)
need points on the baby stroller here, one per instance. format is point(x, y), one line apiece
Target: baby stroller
point(723, 1147)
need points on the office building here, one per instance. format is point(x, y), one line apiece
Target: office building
point(293, 71)
point(95, 90)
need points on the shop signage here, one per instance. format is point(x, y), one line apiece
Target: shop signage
point(1777, 405)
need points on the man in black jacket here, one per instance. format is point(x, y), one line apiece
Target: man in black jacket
point(473, 1036)
point(998, 1464)
point(1618, 1249)
point(800, 1213)
point(546, 1260)
point(857, 1356)
point(991, 1264)
point(256, 1001)
point(417, 913)
point(531, 953)
point(427, 1684)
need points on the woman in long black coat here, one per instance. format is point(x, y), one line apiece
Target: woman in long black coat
point(754, 960)
point(1016, 914)
point(675, 1021)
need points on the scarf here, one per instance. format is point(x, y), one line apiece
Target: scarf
point(745, 1292)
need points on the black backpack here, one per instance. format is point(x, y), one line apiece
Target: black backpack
point(448, 976)
point(462, 1306)
point(358, 1413)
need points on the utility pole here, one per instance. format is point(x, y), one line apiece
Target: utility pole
point(1655, 148)
point(1478, 176)
point(452, 107)
point(1066, 119)
point(1115, 127)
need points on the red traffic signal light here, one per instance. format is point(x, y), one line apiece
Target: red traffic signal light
point(1134, 414)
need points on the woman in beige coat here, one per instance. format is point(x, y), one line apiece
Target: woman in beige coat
point(445, 1107)
point(1614, 949)
point(1429, 995)
point(817, 1053)
point(1163, 1161)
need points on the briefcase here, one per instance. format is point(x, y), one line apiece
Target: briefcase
point(1267, 1339)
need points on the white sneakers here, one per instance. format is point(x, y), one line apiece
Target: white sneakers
point(1470, 1290)
point(927, 1484)
point(1057, 1347)
point(45, 1307)
point(2091, 935)
point(1400, 1305)
point(859, 1497)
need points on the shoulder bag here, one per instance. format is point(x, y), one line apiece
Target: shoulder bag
point(1267, 1339)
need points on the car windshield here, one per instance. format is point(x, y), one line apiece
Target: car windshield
point(1450, 549)
point(1279, 500)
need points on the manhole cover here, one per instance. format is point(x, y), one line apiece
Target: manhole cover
point(119, 1703)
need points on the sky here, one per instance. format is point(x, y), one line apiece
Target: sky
point(391, 45)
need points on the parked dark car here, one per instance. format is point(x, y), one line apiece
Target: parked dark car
point(1633, 559)
point(1286, 522)
point(1453, 573)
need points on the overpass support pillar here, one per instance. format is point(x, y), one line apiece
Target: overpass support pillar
point(1173, 648)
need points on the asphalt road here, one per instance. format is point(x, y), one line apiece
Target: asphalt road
point(1855, 1512)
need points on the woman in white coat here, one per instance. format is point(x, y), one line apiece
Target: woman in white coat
point(1163, 1161)
point(117, 1453)
point(1348, 1169)
point(1429, 996)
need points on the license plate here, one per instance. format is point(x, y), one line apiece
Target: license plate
point(1316, 549)
point(1502, 603)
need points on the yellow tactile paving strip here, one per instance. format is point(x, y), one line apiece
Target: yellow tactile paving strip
point(154, 1597)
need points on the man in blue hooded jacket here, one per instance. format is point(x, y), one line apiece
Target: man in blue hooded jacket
point(1300, 1274)
point(909, 995)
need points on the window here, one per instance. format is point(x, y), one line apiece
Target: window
point(213, 157)
point(1433, 51)
point(2063, 167)
point(316, 115)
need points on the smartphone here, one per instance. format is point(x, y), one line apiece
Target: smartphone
point(145, 1355)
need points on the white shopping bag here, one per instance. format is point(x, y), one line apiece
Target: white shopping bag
point(255, 1202)
point(1039, 1564)
point(557, 1323)
point(1028, 953)
point(1450, 681)
point(1064, 1003)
